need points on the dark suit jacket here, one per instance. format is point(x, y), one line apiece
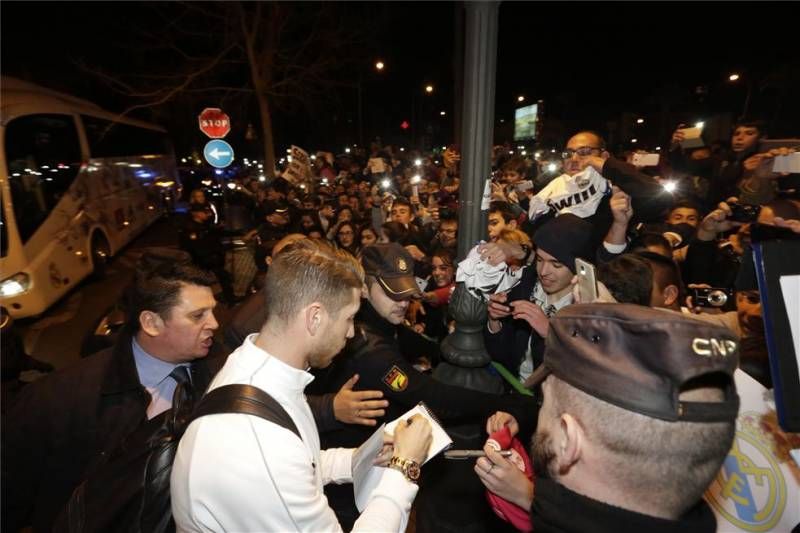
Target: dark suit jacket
point(62, 423)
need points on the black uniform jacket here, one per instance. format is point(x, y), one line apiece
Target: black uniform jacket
point(557, 509)
point(62, 423)
point(375, 356)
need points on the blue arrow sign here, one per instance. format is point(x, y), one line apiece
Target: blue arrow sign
point(218, 153)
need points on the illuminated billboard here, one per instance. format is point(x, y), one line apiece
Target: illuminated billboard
point(525, 122)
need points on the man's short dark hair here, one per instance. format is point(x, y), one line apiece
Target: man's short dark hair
point(745, 122)
point(665, 270)
point(643, 241)
point(504, 208)
point(629, 278)
point(402, 200)
point(395, 232)
point(685, 203)
point(157, 286)
point(515, 164)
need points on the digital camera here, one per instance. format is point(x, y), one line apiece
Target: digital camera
point(712, 297)
point(744, 212)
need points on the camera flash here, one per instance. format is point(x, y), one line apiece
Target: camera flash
point(670, 186)
point(416, 179)
point(418, 162)
point(385, 183)
point(552, 167)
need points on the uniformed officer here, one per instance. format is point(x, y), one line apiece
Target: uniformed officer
point(203, 240)
point(374, 354)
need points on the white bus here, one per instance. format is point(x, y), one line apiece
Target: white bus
point(76, 185)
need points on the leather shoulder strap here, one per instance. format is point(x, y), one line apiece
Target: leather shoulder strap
point(245, 399)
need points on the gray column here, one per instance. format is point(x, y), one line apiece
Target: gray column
point(480, 63)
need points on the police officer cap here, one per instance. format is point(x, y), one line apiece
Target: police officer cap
point(393, 267)
point(641, 359)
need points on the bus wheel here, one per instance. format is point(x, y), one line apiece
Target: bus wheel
point(101, 254)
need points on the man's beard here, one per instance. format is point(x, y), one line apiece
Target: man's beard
point(542, 454)
point(320, 355)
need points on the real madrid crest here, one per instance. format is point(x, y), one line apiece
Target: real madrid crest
point(401, 264)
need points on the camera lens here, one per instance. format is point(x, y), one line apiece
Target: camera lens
point(717, 298)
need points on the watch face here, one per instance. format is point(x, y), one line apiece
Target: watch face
point(412, 469)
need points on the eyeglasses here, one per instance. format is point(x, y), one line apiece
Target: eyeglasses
point(583, 151)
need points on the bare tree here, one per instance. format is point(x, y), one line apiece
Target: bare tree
point(280, 55)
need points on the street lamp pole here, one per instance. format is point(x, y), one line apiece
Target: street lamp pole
point(360, 114)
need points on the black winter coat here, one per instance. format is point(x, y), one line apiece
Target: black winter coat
point(62, 423)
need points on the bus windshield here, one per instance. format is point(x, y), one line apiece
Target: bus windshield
point(44, 156)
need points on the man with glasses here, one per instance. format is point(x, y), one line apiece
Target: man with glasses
point(585, 186)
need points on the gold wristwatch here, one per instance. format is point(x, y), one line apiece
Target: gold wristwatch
point(409, 468)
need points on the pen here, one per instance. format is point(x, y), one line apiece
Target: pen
point(465, 454)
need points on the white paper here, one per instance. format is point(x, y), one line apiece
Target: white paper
point(366, 475)
point(441, 439)
point(376, 165)
point(790, 288)
point(487, 196)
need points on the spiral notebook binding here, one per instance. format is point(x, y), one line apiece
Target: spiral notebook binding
point(435, 418)
point(430, 413)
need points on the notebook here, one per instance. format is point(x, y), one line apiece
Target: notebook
point(366, 475)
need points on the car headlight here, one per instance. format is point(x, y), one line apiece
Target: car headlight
point(16, 284)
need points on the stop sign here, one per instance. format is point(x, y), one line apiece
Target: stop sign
point(214, 122)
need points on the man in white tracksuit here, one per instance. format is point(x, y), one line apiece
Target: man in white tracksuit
point(236, 472)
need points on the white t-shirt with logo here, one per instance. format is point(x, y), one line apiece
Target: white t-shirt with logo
point(579, 194)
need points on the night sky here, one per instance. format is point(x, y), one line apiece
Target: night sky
point(589, 62)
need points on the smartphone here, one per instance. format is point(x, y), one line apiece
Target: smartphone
point(645, 160)
point(693, 137)
point(523, 186)
point(587, 280)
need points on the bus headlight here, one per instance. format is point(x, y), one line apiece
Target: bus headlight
point(16, 284)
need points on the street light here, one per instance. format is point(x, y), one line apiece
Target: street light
point(429, 89)
point(520, 98)
point(640, 121)
point(442, 113)
point(379, 65)
point(733, 77)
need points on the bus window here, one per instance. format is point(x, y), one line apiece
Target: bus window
point(109, 139)
point(44, 156)
point(3, 232)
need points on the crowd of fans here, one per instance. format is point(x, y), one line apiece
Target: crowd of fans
point(671, 244)
point(687, 219)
